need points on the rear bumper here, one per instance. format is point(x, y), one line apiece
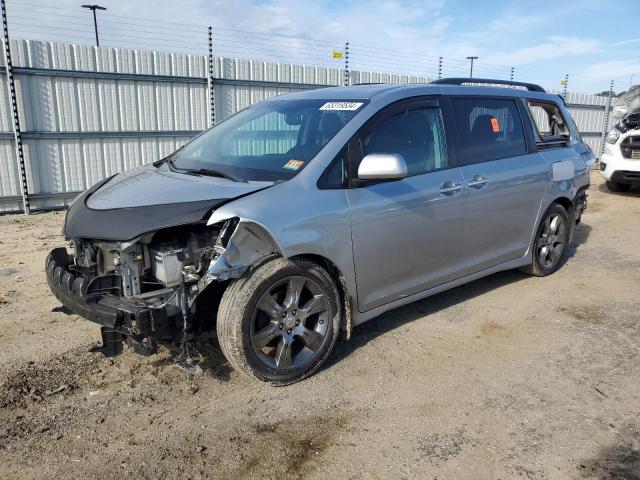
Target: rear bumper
point(129, 317)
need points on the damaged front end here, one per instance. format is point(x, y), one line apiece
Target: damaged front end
point(160, 287)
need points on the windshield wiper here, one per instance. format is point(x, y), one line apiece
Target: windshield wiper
point(203, 171)
point(211, 173)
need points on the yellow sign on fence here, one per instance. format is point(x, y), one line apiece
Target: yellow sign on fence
point(337, 54)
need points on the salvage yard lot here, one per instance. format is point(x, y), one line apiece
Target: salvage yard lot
point(507, 377)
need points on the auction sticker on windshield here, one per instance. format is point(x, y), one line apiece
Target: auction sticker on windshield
point(342, 106)
point(293, 164)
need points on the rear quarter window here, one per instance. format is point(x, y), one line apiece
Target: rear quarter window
point(540, 118)
point(488, 129)
point(551, 125)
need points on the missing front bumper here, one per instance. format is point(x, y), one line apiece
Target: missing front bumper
point(154, 318)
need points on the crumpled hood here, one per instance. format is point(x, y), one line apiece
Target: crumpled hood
point(147, 186)
point(147, 199)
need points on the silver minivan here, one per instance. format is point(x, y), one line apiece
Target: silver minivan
point(305, 215)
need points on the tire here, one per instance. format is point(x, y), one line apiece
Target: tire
point(618, 187)
point(549, 242)
point(264, 325)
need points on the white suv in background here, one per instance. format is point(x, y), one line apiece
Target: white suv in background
point(620, 161)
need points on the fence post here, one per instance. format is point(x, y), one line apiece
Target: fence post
point(566, 86)
point(212, 105)
point(17, 134)
point(347, 76)
point(607, 116)
point(439, 68)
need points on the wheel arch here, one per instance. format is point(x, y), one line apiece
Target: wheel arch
point(568, 204)
point(564, 202)
point(340, 283)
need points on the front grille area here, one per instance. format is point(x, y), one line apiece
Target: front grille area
point(626, 176)
point(630, 147)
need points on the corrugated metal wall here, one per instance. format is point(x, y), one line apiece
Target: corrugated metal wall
point(589, 113)
point(77, 130)
point(88, 112)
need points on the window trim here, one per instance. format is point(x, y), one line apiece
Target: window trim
point(528, 147)
point(540, 143)
point(356, 151)
point(323, 183)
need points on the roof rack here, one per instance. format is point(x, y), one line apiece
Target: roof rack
point(532, 87)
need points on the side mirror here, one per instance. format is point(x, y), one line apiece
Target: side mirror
point(382, 166)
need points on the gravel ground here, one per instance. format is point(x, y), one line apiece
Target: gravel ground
point(507, 377)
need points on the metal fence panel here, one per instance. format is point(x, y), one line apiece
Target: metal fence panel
point(5, 107)
point(9, 186)
point(589, 113)
point(89, 112)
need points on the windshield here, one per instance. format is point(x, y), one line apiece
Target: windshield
point(271, 141)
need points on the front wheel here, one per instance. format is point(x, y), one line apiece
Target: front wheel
point(551, 239)
point(279, 322)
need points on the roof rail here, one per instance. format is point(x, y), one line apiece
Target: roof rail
point(532, 87)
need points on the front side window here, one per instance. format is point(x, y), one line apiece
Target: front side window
point(416, 134)
point(489, 129)
point(271, 141)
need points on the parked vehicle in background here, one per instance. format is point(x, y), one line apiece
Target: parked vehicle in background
point(311, 213)
point(620, 161)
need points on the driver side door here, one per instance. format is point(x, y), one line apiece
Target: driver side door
point(406, 233)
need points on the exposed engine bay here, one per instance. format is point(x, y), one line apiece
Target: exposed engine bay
point(151, 284)
point(626, 109)
point(168, 258)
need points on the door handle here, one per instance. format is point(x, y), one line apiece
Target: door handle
point(449, 188)
point(478, 182)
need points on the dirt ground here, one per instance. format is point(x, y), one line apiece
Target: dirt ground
point(507, 377)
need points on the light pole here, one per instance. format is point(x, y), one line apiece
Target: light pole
point(471, 69)
point(93, 8)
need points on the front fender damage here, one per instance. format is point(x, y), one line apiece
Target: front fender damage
point(248, 244)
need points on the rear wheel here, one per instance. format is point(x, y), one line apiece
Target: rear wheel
point(618, 187)
point(280, 321)
point(550, 241)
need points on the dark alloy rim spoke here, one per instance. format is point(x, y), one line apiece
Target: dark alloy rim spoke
point(269, 305)
point(265, 335)
point(311, 339)
point(315, 305)
point(294, 289)
point(283, 354)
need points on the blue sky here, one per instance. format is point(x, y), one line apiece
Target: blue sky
point(593, 41)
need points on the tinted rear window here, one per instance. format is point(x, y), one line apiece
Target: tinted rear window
point(488, 129)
